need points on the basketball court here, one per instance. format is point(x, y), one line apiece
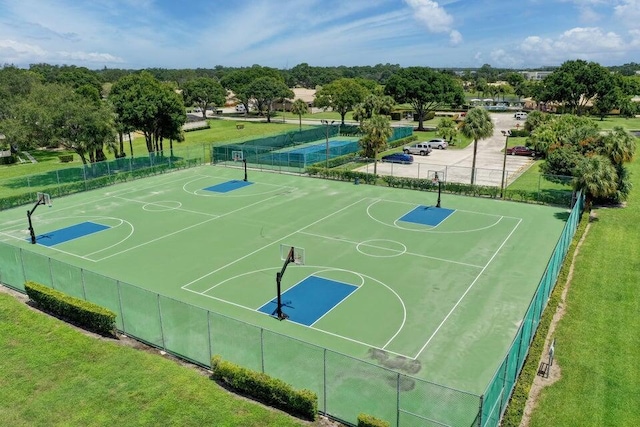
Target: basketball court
point(372, 273)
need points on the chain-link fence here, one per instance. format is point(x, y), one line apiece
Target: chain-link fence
point(60, 182)
point(346, 386)
point(499, 390)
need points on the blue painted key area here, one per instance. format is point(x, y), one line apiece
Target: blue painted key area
point(309, 300)
point(69, 233)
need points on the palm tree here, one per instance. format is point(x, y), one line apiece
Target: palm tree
point(596, 177)
point(619, 146)
point(477, 125)
point(299, 107)
point(377, 131)
point(447, 128)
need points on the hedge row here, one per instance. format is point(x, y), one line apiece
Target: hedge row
point(77, 311)
point(559, 198)
point(519, 133)
point(342, 175)
point(365, 420)
point(515, 408)
point(262, 387)
point(66, 158)
point(204, 126)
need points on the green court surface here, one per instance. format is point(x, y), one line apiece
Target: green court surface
point(439, 302)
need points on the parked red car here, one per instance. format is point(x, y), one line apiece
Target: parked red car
point(521, 150)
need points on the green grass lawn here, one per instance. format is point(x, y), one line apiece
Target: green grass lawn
point(53, 375)
point(598, 339)
point(611, 121)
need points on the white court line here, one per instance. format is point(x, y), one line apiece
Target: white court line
point(186, 228)
point(390, 250)
point(270, 244)
point(467, 291)
point(291, 321)
point(460, 210)
point(340, 302)
point(159, 204)
point(431, 229)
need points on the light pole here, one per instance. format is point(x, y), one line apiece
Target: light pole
point(504, 163)
point(326, 124)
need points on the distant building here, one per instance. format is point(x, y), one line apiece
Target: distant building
point(307, 95)
point(535, 75)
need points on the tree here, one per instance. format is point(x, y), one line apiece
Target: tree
point(515, 79)
point(477, 125)
point(237, 81)
point(447, 128)
point(299, 107)
point(204, 92)
point(535, 119)
point(575, 83)
point(55, 115)
point(596, 177)
point(15, 84)
point(373, 104)
point(377, 131)
point(265, 90)
point(619, 146)
point(144, 104)
point(341, 96)
point(425, 89)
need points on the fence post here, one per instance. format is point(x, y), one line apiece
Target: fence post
point(324, 380)
point(24, 273)
point(58, 182)
point(262, 348)
point(480, 411)
point(51, 273)
point(209, 338)
point(398, 400)
point(84, 292)
point(120, 302)
point(164, 347)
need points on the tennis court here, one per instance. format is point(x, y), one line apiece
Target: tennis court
point(436, 294)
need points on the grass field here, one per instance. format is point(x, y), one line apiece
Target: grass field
point(446, 294)
point(598, 339)
point(53, 375)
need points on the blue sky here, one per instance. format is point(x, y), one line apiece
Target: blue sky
point(283, 33)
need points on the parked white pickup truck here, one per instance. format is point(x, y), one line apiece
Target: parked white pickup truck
point(422, 148)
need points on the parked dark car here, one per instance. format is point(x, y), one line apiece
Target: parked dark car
point(398, 158)
point(521, 150)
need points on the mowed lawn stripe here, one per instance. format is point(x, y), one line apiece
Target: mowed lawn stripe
point(54, 375)
point(599, 336)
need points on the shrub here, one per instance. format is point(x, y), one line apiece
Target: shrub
point(203, 126)
point(80, 312)
point(66, 158)
point(266, 389)
point(365, 420)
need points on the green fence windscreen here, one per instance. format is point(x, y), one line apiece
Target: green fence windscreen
point(501, 386)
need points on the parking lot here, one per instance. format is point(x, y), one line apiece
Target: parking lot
point(456, 164)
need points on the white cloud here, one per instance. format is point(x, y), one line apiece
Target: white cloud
point(503, 59)
point(455, 38)
point(588, 15)
point(628, 12)
point(590, 43)
point(435, 18)
point(101, 58)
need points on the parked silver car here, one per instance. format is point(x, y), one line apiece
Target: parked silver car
point(422, 148)
point(438, 143)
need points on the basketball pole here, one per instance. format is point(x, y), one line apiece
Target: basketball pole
point(245, 168)
point(439, 192)
point(32, 234)
point(290, 258)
